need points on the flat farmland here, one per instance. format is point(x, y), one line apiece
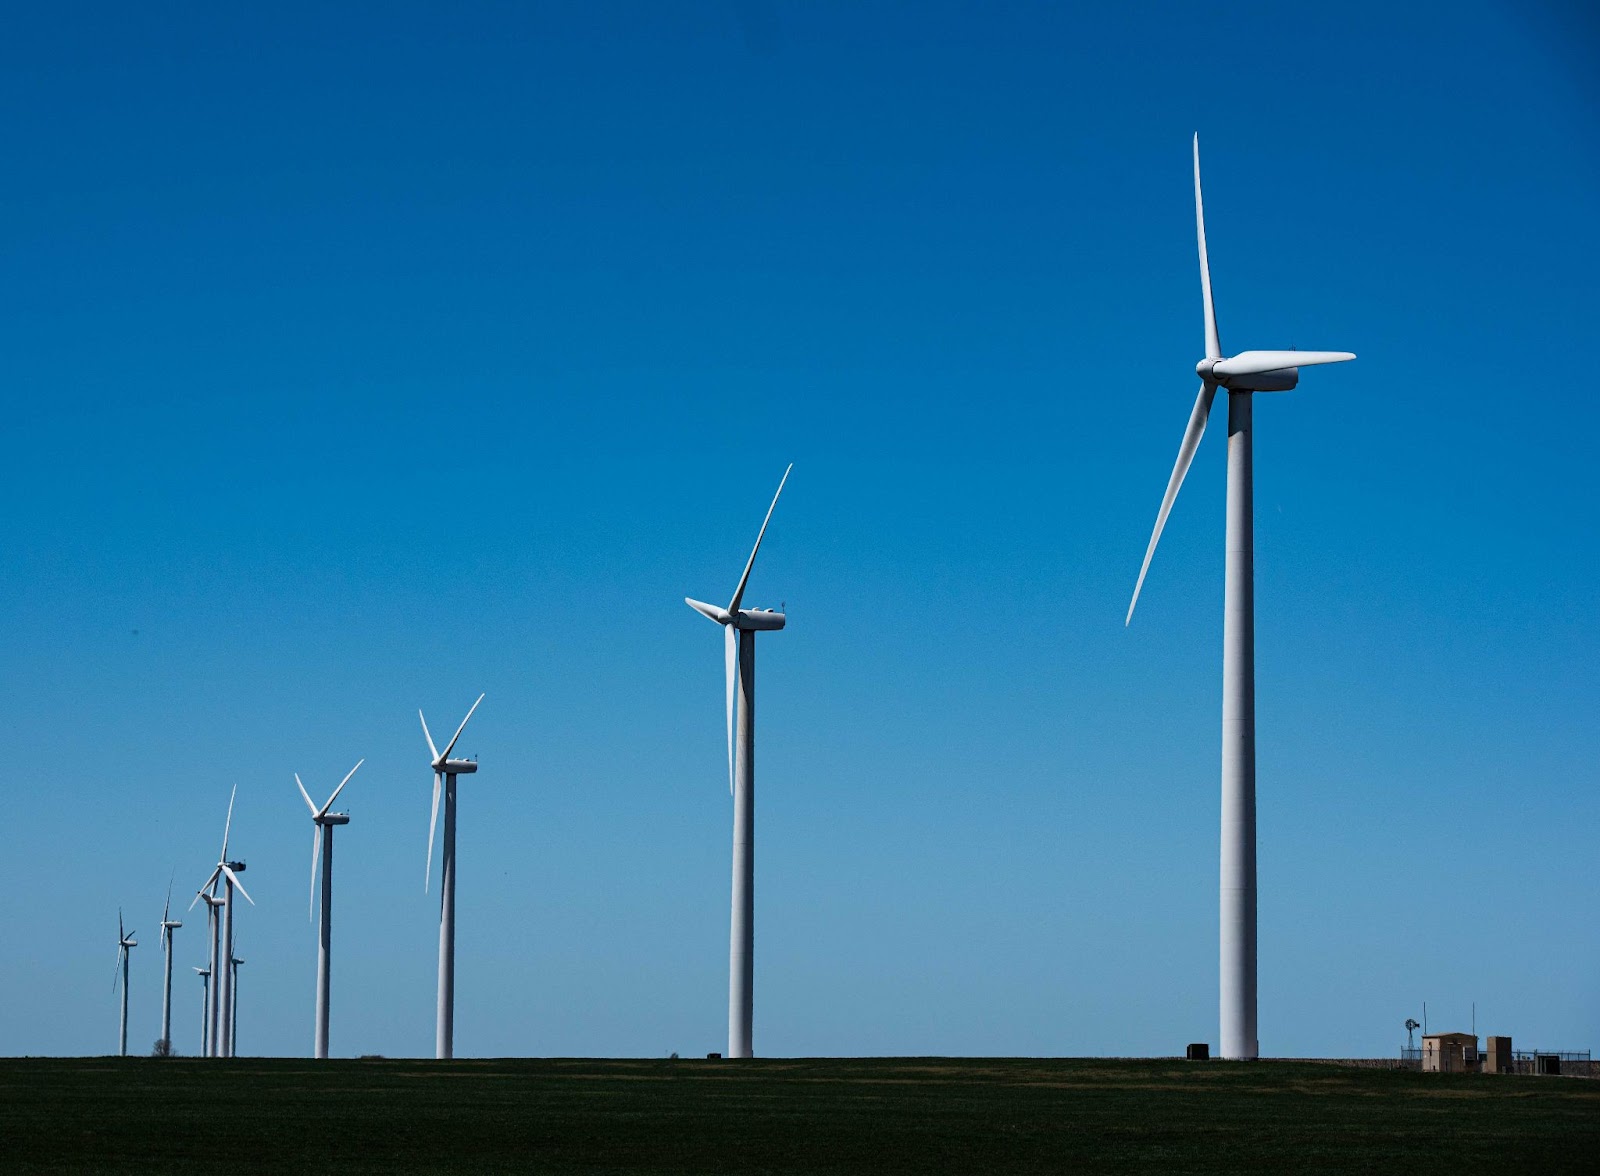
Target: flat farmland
point(877, 1115)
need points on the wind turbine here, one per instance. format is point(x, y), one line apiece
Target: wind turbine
point(168, 926)
point(205, 1010)
point(446, 770)
point(322, 825)
point(125, 943)
point(227, 874)
point(740, 626)
point(1241, 376)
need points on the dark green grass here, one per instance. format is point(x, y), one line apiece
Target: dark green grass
point(883, 1115)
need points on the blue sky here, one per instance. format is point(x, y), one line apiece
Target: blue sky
point(360, 361)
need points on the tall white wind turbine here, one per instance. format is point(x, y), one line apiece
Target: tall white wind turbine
point(168, 926)
point(445, 771)
point(225, 874)
point(125, 943)
point(740, 626)
point(1241, 376)
point(322, 826)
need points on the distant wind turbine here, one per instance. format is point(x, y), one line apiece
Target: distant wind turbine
point(168, 926)
point(446, 770)
point(740, 626)
point(125, 943)
point(1242, 376)
point(226, 874)
point(322, 825)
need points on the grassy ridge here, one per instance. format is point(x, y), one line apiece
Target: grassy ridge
point(883, 1115)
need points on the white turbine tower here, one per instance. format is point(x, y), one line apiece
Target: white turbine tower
point(225, 873)
point(740, 626)
point(233, 1028)
point(322, 825)
point(205, 1010)
point(168, 926)
point(446, 770)
point(1242, 376)
point(125, 943)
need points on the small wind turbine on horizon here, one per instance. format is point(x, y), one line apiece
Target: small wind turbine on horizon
point(125, 944)
point(740, 626)
point(322, 825)
point(226, 874)
point(168, 926)
point(1242, 376)
point(445, 771)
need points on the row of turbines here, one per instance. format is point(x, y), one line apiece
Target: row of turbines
point(219, 999)
point(1241, 376)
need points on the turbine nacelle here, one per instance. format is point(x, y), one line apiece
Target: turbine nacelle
point(752, 619)
point(332, 819)
point(1264, 371)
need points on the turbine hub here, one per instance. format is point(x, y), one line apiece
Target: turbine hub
point(1204, 367)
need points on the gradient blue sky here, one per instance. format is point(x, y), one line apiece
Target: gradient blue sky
point(360, 360)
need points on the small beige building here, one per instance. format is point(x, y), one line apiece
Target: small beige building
point(1499, 1060)
point(1450, 1053)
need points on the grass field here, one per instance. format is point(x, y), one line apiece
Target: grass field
point(883, 1115)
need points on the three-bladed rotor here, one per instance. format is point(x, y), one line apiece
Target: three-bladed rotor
point(224, 868)
point(733, 618)
point(168, 924)
point(1249, 371)
point(125, 941)
point(443, 766)
point(321, 817)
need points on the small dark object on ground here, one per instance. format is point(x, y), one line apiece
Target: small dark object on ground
point(1199, 1051)
point(713, 1057)
point(163, 1049)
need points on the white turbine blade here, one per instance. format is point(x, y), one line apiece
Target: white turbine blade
point(451, 746)
point(316, 853)
point(1250, 363)
point(738, 594)
point(731, 649)
point(340, 789)
point(432, 750)
point(720, 615)
point(307, 795)
point(228, 824)
point(1213, 343)
point(238, 885)
point(121, 934)
point(167, 910)
point(1191, 441)
point(201, 893)
point(433, 820)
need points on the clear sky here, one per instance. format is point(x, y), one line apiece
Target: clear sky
point(355, 361)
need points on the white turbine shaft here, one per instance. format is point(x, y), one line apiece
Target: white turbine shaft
point(324, 945)
point(741, 942)
point(122, 1049)
point(444, 1025)
point(233, 1027)
point(166, 996)
point(1237, 954)
point(225, 1004)
point(213, 986)
point(205, 1011)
